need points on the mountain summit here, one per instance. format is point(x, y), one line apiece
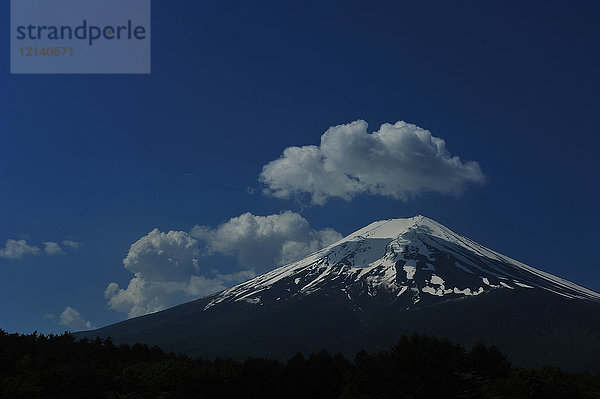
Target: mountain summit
point(411, 259)
point(392, 277)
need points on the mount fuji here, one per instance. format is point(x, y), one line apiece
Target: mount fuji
point(389, 278)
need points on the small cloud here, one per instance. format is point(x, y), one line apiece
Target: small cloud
point(17, 249)
point(188, 174)
point(72, 319)
point(49, 316)
point(53, 249)
point(250, 190)
point(72, 244)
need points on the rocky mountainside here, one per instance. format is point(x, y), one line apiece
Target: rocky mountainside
point(409, 259)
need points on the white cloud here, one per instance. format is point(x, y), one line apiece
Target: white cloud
point(73, 320)
point(166, 273)
point(263, 242)
point(17, 249)
point(161, 256)
point(72, 244)
point(53, 249)
point(398, 161)
point(144, 296)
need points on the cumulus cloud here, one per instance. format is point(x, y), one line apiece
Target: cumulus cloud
point(166, 266)
point(72, 244)
point(73, 320)
point(145, 296)
point(52, 248)
point(166, 272)
point(161, 256)
point(398, 161)
point(263, 242)
point(17, 249)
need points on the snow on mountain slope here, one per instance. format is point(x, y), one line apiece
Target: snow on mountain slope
point(408, 260)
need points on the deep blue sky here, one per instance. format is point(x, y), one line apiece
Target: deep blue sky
point(104, 159)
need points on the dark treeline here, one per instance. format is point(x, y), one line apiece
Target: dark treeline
point(38, 366)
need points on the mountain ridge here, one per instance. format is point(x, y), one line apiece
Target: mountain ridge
point(415, 245)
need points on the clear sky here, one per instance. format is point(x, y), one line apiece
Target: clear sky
point(96, 170)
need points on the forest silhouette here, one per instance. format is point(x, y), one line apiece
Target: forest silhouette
point(60, 366)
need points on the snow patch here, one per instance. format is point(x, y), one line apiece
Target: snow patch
point(410, 272)
point(463, 268)
point(522, 285)
point(437, 280)
point(430, 290)
point(466, 291)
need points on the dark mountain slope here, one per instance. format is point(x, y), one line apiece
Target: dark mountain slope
point(391, 278)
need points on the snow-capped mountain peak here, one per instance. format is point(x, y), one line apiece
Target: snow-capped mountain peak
point(411, 260)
